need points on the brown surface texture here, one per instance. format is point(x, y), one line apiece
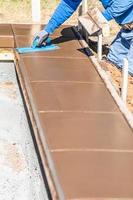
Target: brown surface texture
point(72, 97)
point(79, 130)
point(6, 36)
point(60, 69)
point(94, 174)
point(68, 47)
point(89, 141)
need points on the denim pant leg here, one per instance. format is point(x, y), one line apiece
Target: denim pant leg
point(118, 50)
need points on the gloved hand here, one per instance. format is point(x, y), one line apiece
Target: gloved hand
point(40, 38)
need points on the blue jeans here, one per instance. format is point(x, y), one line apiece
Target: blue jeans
point(122, 47)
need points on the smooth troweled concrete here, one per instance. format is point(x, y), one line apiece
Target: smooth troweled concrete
point(87, 141)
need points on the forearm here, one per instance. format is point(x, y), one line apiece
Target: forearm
point(117, 8)
point(64, 10)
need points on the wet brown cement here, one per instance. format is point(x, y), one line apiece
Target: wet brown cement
point(95, 174)
point(78, 97)
point(60, 69)
point(68, 48)
point(6, 36)
point(89, 140)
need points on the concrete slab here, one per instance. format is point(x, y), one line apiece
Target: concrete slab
point(57, 69)
point(20, 175)
point(78, 97)
point(86, 140)
point(95, 175)
point(6, 36)
point(83, 131)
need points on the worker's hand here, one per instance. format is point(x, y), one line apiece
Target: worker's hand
point(40, 38)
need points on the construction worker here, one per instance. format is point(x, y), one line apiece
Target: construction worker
point(120, 10)
point(122, 46)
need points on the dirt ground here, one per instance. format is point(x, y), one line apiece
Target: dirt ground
point(116, 77)
point(19, 11)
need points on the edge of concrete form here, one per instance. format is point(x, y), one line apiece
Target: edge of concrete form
point(41, 140)
point(123, 108)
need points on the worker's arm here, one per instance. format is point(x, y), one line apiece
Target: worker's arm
point(64, 10)
point(116, 8)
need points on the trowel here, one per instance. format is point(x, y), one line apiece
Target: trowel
point(34, 48)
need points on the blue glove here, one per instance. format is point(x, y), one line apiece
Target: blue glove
point(40, 39)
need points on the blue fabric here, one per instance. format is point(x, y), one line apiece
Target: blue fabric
point(122, 47)
point(106, 3)
point(73, 3)
point(120, 10)
point(64, 10)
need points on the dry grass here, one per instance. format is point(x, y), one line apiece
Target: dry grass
point(19, 11)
